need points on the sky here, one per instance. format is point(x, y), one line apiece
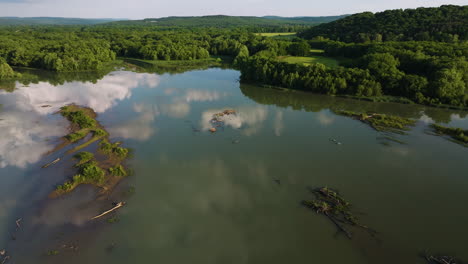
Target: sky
point(138, 9)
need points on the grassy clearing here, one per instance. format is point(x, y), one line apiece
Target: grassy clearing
point(277, 35)
point(317, 51)
point(327, 61)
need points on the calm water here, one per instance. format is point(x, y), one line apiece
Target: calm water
point(212, 198)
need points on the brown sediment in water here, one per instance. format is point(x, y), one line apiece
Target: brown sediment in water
point(218, 119)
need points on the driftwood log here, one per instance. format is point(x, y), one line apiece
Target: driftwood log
point(51, 163)
point(117, 206)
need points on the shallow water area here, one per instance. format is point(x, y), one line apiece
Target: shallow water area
point(232, 196)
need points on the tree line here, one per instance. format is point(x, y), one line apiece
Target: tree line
point(67, 49)
point(424, 72)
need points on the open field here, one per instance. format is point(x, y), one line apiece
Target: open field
point(317, 51)
point(329, 62)
point(278, 35)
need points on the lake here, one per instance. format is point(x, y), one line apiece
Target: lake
point(233, 196)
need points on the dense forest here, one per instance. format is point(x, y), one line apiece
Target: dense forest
point(446, 23)
point(315, 20)
point(426, 72)
point(84, 49)
point(221, 21)
point(205, 21)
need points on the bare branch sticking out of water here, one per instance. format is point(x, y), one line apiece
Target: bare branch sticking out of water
point(440, 259)
point(329, 203)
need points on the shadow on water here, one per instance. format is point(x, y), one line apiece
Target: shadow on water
point(298, 100)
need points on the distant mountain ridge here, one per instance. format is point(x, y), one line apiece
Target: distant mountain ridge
point(308, 19)
point(54, 21)
point(230, 21)
point(177, 21)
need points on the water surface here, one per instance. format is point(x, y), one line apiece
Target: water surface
point(214, 198)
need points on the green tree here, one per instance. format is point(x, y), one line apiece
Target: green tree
point(6, 72)
point(450, 87)
point(300, 48)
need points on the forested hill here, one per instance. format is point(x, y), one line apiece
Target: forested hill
point(53, 21)
point(306, 20)
point(221, 21)
point(446, 23)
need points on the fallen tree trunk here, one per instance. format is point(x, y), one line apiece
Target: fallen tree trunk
point(52, 163)
point(120, 204)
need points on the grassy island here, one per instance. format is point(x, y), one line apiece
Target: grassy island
point(456, 135)
point(381, 122)
point(104, 170)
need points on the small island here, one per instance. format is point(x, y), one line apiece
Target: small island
point(104, 168)
point(381, 122)
point(456, 135)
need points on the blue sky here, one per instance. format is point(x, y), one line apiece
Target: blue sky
point(136, 9)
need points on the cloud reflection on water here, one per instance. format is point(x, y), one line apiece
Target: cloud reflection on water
point(26, 128)
point(180, 104)
point(176, 104)
point(278, 123)
point(249, 118)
